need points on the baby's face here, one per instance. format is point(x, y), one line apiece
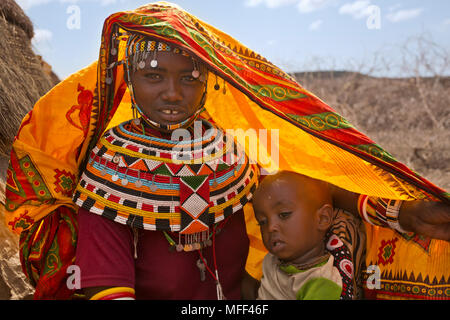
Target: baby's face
point(287, 221)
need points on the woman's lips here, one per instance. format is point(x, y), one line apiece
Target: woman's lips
point(171, 114)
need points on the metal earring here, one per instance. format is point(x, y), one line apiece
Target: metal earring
point(217, 86)
point(224, 90)
point(115, 176)
point(138, 182)
point(195, 72)
point(125, 180)
point(154, 62)
point(104, 169)
point(153, 186)
point(109, 75)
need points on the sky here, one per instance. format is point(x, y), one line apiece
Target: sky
point(371, 36)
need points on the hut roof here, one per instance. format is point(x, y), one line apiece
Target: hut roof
point(23, 79)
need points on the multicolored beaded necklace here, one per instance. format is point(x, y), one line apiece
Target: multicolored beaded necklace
point(140, 181)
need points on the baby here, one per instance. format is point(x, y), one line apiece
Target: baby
point(294, 213)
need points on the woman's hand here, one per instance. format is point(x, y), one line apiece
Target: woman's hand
point(427, 218)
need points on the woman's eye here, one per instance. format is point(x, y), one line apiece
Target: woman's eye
point(284, 215)
point(152, 76)
point(189, 78)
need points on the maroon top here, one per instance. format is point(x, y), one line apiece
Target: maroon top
point(105, 255)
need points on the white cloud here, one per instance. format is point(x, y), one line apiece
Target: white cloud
point(27, 4)
point(358, 9)
point(394, 7)
point(108, 2)
point(315, 25)
point(69, 1)
point(41, 40)
point(446, 22)
point(307, 6)
point(269, 3)
point(402, 15)
point(304, 6)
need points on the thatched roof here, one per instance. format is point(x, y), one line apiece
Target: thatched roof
point(22, 77)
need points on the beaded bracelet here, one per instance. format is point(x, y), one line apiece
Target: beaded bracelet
point(380, 212)
point(392, 211)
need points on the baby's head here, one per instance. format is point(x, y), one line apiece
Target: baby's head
point(294, 213)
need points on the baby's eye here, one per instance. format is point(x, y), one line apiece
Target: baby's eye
point(261, 222)
point(284, 215)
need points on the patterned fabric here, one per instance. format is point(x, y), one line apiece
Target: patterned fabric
point(158, 184)
point(47, 249)
point(407, 268)
point(350, 230)
point(343, 263)
point(410, 266)
point(296, 131)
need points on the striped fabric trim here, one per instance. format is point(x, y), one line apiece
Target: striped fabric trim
point(116, 293)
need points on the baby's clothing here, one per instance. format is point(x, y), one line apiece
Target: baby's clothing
point(286, 282)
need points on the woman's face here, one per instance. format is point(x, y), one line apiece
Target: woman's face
point(168, 94)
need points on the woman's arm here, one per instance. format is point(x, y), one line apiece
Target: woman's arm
point(249, 287)
point(427, 218)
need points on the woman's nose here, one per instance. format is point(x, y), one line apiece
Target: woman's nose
point(172, 93)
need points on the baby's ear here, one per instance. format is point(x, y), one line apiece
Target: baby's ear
point(325, 216)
